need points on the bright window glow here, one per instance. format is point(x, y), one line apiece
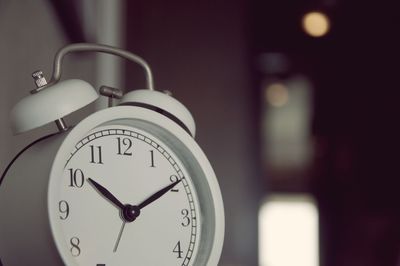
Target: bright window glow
point(288, 231)
point(316, 24)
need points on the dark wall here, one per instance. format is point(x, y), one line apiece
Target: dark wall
point(354, 70)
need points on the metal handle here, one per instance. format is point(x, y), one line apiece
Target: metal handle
point(92, 47)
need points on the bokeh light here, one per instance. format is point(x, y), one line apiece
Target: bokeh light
point(316, 24)
point(277, 94)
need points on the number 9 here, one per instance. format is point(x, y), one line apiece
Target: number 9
point(63, 207)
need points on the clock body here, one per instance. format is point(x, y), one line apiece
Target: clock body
point(134, 153)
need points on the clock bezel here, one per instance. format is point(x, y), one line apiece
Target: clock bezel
point(182, 144)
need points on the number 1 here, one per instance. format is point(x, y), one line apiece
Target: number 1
point(152, 159)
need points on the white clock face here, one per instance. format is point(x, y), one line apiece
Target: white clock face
point(125, 198)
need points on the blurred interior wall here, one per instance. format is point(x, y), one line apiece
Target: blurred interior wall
point(31, 35)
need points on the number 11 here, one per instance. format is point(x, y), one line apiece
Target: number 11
point(93, 153)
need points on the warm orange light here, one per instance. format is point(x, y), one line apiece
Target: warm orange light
point(277, 94)
point(316, 24)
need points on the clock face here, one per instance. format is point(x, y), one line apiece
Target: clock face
point(124, 198)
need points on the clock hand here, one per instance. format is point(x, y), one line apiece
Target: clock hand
point(106, 194)
point(128, 212)
point(119, 236)
point(158, 194)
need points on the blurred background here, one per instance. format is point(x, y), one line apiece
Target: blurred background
point(295, 104)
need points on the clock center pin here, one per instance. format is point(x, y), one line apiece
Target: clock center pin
point(130, 212)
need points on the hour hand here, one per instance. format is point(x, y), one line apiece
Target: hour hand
point(106, 193)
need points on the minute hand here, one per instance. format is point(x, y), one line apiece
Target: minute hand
point(157, 195)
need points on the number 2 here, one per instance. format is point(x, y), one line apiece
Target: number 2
point(173, 179)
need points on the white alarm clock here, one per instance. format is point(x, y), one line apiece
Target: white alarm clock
point(128, 185)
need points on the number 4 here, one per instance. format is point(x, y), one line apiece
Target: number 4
point(177, 249)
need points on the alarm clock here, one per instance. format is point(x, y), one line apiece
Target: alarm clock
point(127, 185)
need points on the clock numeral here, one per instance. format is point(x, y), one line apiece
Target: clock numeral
point(63, 207)
point(126, 144)
point(177, 249)
point(95, 154)
point(173, 179)
point(152, 159)
point(75, 249)
point(77, 178)
point(186, 219)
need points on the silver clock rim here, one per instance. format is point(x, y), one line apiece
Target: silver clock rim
point(210, 246)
